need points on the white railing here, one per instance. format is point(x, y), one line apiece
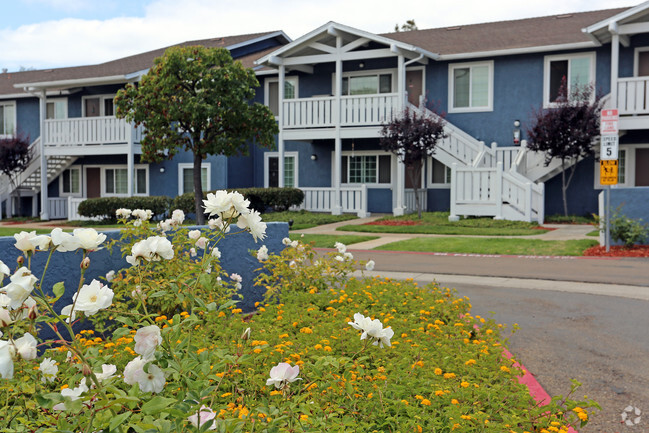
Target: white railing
point(524, 196)
point(90, 131)
point(319, 112)
point(352, 199)
point(57, 208)
point(633, 95)
point(411, 202)
point(506, 155)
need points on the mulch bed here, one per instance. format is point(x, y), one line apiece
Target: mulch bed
point(547, 229)
point(14, 223)
point(618, 251)
point(393, 223)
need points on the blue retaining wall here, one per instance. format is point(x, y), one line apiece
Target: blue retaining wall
point(235, 258)
point(632, 202)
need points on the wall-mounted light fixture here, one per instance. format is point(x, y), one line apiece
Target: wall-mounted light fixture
point(162, 169)
point(314, 157)
point(361, 65)
point(517, 132)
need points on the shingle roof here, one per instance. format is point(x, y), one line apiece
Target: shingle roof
point(123, 66)
point(506, 35)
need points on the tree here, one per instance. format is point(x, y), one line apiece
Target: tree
point(197, 99)
point(408, 26)
point(15, 156)
point(412, 137)
point(566, 131)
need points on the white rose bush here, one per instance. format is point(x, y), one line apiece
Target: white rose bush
point(161, 345)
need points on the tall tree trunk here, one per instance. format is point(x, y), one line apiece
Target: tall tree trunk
point(198, 190)
point(415, 174)
point(564, 188)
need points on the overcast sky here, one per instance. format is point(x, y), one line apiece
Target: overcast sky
point(54, 33)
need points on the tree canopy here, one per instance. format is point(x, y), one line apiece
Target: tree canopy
point(566, 131)
point(200, 100)
point(15, 157)
point(412, 137)
point(408, 26)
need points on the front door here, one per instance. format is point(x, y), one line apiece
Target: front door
point(641, 164)
point(93, 182)
point(414, 85)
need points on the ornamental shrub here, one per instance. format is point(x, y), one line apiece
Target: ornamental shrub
point(104, 207)
point(309, 359)
point(261, 199)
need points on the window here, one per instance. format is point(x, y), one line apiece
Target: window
point(7, 119)
point(641, 68)
point(141, 181)
point(367, 84)
point(57, 109)
point(471, 87)
point(366, 169)
point(272, 92)
point(102, 105)
point(576, 70)
point(621, 167)
point(271, 177)
point(440, 174)
point(186, 177)
point(116, 180)
point(70, 182)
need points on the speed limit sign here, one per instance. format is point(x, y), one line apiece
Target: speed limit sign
point(609, 147)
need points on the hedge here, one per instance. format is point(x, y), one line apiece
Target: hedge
point(261, 199)
point(105, 207)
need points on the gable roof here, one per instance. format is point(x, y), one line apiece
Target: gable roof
point(508, 37)
point(124, 69)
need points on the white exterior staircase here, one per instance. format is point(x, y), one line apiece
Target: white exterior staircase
point(503, 182)
point(30, 179)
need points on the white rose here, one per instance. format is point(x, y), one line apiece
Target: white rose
point(194, 234)
point(92, 297)
point(146, 341)
point(26, 346)
point(89, 239)
point(48, 369)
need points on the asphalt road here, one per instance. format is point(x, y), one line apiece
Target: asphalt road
point(601, 341)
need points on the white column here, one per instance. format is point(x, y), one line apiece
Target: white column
point(280, 137)
point(337, 208)
point(615, 61)
point(129, 159)
point(43, 114)
point(401, 169)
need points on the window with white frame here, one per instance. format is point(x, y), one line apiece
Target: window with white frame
point(70, 182)
point(57, 109)
point(439, 174)
point(574, 70)
point(115, 180)
point(186, 177)
point(272, 92)
point(98, 105)
point(271, 176)
point(7, 119)
point(366, 168)
point(470, 87)
point(367, 84)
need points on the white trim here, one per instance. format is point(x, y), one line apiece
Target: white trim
point(13, 104)
point(569, 57)
point(137, 167)
point(102, 107)
point(294, 155)
point(111, 79)
point(183, 165)
point(71, 194)
point(636, 54)
point(377, 153)
point(120, 167)
point(451, 87)
point(616, 18)
point(516, 51)
point(429, 175)
point(296, 83)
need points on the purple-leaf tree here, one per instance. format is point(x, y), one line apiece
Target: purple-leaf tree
point(567, 131)
point(15, 156)
point(412, 137)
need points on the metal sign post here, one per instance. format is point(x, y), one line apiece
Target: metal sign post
point(608, 163)
point(607, 221)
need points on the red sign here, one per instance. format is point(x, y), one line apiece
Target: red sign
point(609, 122)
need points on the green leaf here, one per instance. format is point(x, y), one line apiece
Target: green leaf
point(58, 289)
point(156, 404)
point(118, 420)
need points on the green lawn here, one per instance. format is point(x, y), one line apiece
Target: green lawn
point(570, 219)
point(593, 233)
point(533, 247)
point(438, 223)
point(328, 241)
point(10, 231)
point(304, 220)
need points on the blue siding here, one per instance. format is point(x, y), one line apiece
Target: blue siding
point(28, 118)
point(439, 199)
point(582, 197)
point(379, 200)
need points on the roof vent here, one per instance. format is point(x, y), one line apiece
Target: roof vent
point(448, 29)
point(564, 16)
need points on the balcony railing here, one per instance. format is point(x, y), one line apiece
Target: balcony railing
point(633, 95)
point(320, 112)
point(82, 131)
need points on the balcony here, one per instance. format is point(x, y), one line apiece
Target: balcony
point(106, 134)
point(358, 110)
